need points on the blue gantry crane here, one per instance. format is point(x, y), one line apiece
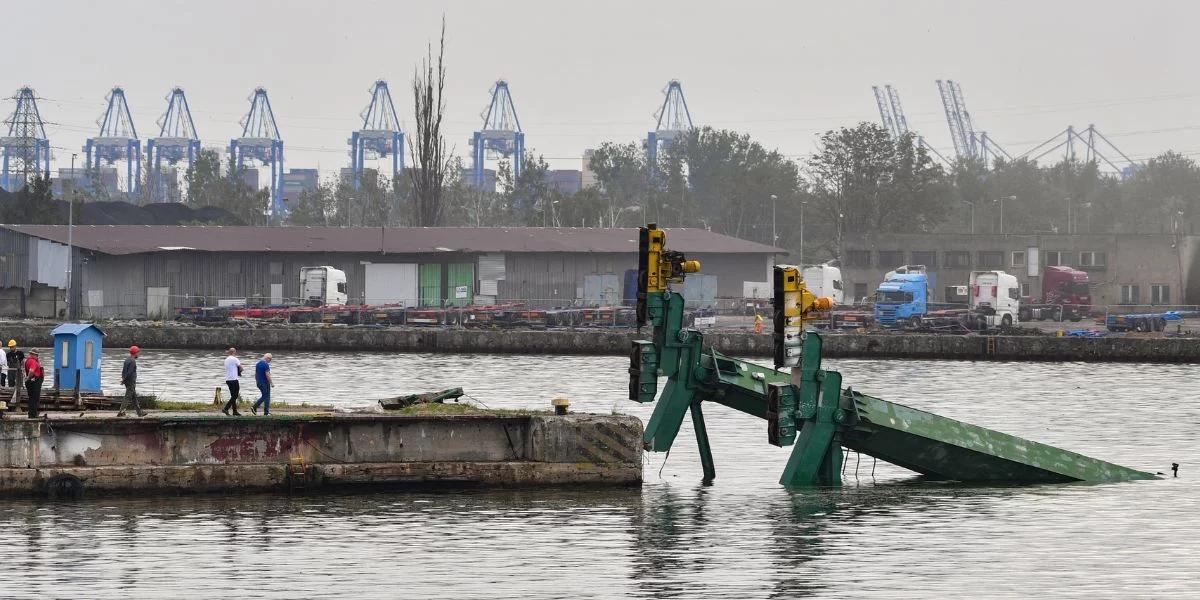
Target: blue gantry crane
point(1095, 146)
point(177, 142)
point(891, 113)
point(968, 143)
point(501, 135)
point(26, 149)
point(260, 141)
point(673, 119)
point(117, 141)
point(380, 136)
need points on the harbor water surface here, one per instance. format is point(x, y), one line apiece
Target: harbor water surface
point(884, 533)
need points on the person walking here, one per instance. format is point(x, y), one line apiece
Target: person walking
point(129, 380)
point(233, 370)
point(4, 369)
point(34, 375)
point(16, 362)
point(264, 381)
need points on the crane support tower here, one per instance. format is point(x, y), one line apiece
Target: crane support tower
point(117, 141)
point(672, 121)
point(1095, 146)
point(805, 406)
point(177, 141)
point(500, 136)
point(260, 141)
point(26, 148)
point(380, 136)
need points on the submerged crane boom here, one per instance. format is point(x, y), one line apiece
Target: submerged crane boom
point(807, 407)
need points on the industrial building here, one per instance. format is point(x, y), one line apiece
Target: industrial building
point(150, 271)
point(1124, 269)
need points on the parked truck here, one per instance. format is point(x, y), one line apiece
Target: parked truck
point(824, 281)
point(903, 297)
point(323, 286)
point(995, 300)
point(1065, 296)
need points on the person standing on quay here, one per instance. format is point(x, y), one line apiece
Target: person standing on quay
point(129, 380)
point(16, 360)
point(262, 378)
point(34, 375)
point(233, 370)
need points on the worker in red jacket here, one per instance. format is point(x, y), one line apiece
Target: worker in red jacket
point(34, 375)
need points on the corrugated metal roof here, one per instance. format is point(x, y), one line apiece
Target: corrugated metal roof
point(138, 239)
point(74, 328)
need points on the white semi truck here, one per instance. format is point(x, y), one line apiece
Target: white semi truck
point(995, 299)
point(323, 286)
point(824, 281)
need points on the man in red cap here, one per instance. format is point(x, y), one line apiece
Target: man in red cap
point(129, 380)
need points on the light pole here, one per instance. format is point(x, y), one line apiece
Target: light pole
point(774, 237)
point(1001, 201)
point(972, 205)
point(70, 236)
point(802, 203)
point(1068, 215)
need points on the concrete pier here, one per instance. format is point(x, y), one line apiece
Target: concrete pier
point(204, 453)
point(617, 342)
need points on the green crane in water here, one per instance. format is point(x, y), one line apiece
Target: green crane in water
point(806, 406)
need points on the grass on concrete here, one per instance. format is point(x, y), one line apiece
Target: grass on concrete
point(460, 408)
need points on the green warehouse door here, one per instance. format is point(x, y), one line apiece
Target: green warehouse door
point(431, 284)
point(460, 283)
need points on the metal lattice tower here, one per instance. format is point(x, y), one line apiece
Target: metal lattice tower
point(897, 110)
point(260, 141)
point(673, 120)
point(380, 136)
point(117, 141)
point(26, 148)
point(961, 140)
point(501, 135)
point(177, 141)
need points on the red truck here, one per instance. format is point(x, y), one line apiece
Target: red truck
point(1065, 296)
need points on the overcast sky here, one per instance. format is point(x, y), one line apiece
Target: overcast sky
point(585, 73)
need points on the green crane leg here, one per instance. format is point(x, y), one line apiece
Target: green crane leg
point(668, 416)
point(706, 459)
point(817, 456)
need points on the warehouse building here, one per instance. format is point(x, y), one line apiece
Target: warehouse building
point(150, 271)
point(1123, 269)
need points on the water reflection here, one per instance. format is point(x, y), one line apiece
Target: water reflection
point(743, 537)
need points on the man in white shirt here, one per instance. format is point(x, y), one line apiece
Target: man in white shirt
point(233, 370)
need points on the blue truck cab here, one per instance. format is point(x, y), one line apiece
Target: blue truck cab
point(902, 298)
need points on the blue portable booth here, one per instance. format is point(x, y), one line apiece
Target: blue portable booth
point(77, 349)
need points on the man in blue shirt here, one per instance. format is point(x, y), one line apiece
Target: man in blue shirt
point(262, 378)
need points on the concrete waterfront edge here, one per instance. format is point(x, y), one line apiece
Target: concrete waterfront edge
point(617, 342)
point(200, 453)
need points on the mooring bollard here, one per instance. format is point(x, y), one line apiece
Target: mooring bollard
point(560, 405)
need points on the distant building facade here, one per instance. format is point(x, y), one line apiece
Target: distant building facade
point(1124, 269)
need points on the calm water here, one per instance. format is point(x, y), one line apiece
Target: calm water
point(884, 534)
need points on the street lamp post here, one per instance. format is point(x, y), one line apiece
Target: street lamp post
point(972, 205)
point(774, 237)
point(70, 236)
point(802, 204)
point(1069, 216)
point(1001, 201)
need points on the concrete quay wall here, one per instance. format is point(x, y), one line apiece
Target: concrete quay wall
point(617, 342)
point(201, 453)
